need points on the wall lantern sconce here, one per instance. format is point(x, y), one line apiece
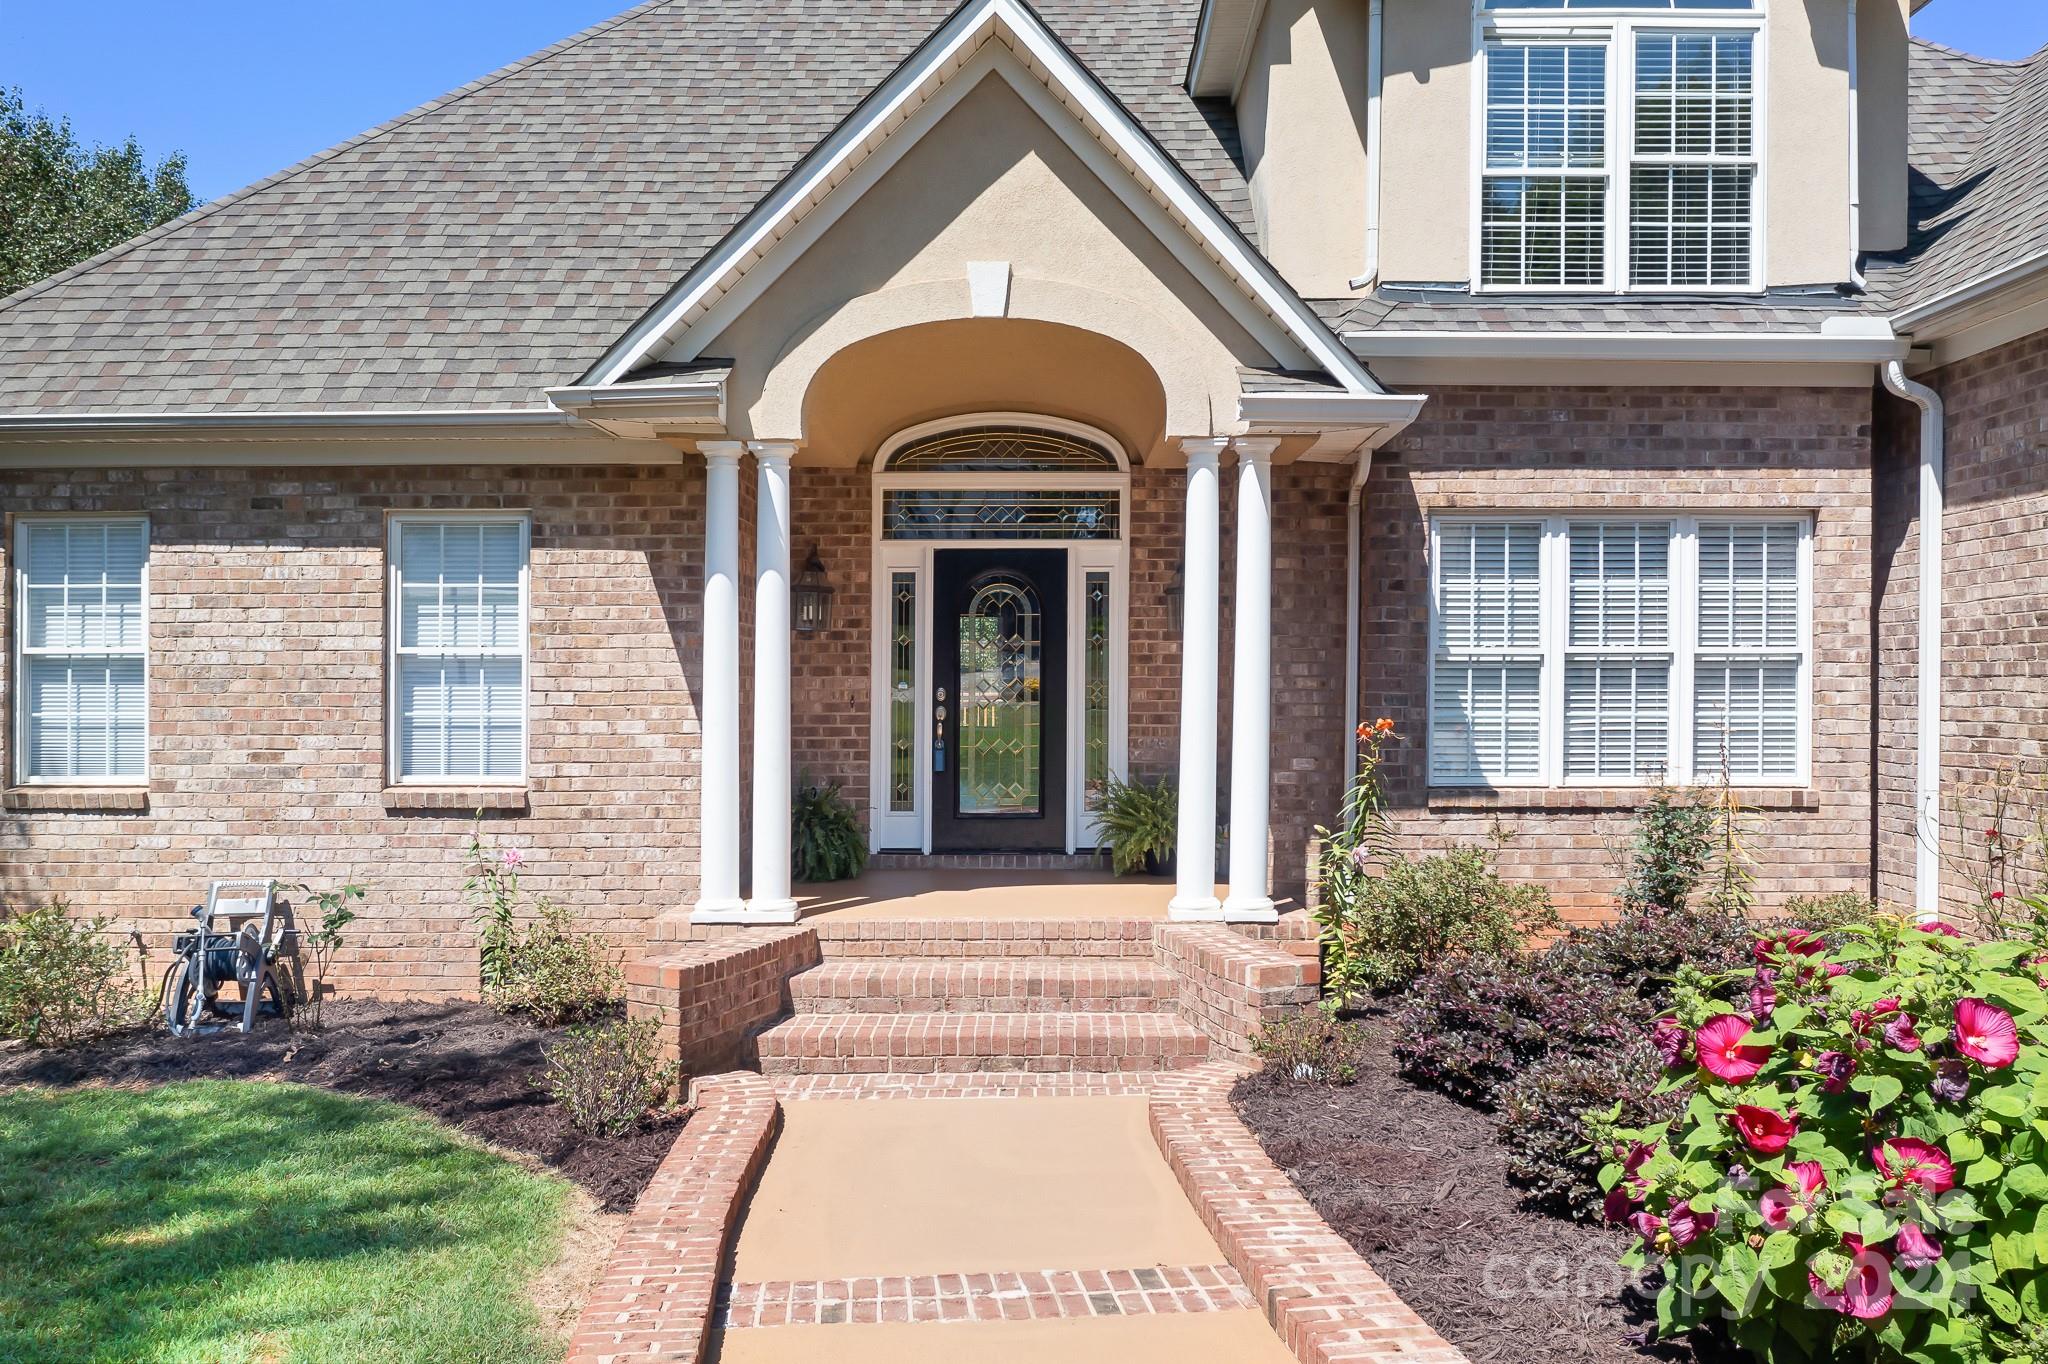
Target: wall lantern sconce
point(1177, 598)
point(811, 597)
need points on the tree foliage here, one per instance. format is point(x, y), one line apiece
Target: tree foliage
point(61, 202)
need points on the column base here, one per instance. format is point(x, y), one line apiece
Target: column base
point(1247, 910)
point(732, 911)
point(782, 911)
point(1201, 909)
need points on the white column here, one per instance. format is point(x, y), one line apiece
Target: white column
point(718, 787)
point(1201, 555)
point(771, 902)
point(1251, 687)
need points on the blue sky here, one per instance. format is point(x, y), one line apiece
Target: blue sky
point(247, 87)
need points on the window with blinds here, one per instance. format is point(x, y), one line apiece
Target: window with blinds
point(459, 649)
point(1654, 188)
point(82, 705)
point(1543, 198)
point(1603, 651)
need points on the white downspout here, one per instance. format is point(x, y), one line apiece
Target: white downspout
point(1352, 556)
point(1375, 74)
point(1927, 758)
point(1855, 161)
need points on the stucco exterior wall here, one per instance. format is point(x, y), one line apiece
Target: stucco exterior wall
point(1994, 683)
point(1599, 449)
point(1301, 120)
point(1427, 138)
point(266, 599)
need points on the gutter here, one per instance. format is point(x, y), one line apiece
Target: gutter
point(1927, 711)
point(1353, 563)
point(1963, 295)
point(199, 423)
point(1375, 78)
point(1855, 163)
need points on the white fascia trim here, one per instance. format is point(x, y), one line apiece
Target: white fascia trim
point(694, 403)
point(901, 97)
point(1330, 409)
point(1210, 73)
point(521, 419)
point(1919, 318)
point(1805, 347)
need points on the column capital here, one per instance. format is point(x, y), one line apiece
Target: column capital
point(722, 451)
point(773, 451)
point(1256, 449)
point(1204, 449)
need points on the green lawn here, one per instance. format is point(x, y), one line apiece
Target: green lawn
point(217, 1222)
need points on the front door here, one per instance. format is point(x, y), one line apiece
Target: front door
point(999, 694)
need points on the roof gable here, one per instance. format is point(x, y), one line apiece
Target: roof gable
point(1004, 38)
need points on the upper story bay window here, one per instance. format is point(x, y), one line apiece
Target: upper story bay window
point(1620, 146)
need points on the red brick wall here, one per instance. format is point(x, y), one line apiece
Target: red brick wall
point(1995, 626)
point(1594, 448)
point(830, 690)
point(266, 630)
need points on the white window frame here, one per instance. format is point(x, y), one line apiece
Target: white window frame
point(393, 579)
point(1616, 29)
point(1555, 594)
point(21, 653)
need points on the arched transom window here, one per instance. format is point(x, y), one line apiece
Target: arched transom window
point(991, 479)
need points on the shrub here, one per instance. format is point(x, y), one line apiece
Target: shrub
point(1831, 911)
point(1416, 915)
point(1469, 1028)
point(1673, 847)
point(1350, 854)
point(826, 840)
point(318, 946)
point(556, 975)
point(1312, 1048)
point(1861, 1169)
point(1543, 1111)
point(608, 1076)
point(1139, 823)
point(63, 980)
point(492, 888)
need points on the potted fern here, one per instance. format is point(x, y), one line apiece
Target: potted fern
point(827, 842)
point(1140, 825)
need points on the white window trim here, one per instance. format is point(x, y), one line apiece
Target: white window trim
point(392, 578)
point(18, 673)
point(1616, 29)
point(1685, 649)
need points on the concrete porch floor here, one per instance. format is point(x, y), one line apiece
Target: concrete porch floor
point(980, 893)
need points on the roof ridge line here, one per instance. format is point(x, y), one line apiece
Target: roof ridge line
point(411, 115)
point(1977, 57)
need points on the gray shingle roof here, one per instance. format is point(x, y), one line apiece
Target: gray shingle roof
point(1393, 309)
point(494, 242)
point(1979, 154)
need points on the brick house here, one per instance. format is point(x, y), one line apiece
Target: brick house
point(968, 405)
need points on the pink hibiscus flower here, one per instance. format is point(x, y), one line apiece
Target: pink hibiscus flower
point(1909, 1160)
point(1947, 930)
point(1671, 1040)
point(1764, 1129)
point(1687, 1224)
point(1797, 943)
point(1866, 1292)
point(1914, 1248)
point(1986, 1034)
point(1790, 1204)
point(1722, 1053)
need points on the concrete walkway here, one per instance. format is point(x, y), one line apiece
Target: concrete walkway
point(1006, 1230)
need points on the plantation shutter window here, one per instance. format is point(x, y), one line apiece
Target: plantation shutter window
point(1746, 705)
point(1544, 193)
point(1487, 724)
point(459, 640)
point(1693, 161)
point(1605, 650)
point(1617, 670)
point(82, 702)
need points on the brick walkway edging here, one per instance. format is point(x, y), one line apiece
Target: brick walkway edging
point(654, 1304)
point(1324, 1300)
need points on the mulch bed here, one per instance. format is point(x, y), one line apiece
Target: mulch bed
point(463, 1063)
point(1418, 1185)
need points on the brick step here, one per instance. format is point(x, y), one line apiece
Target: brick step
point(905, 1044)
point(1012, 985)
point(983, 938)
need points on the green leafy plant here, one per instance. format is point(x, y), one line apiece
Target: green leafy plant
point(63, 980)
point(1312, 1048)
point(1414, 915)
point(555, 975)
point(826, 840)
point(492, 888)
point(1673, 847)
point(609, 1076)
point(1138, 823)
point(1860, 1170)
point(1831, 911)
point(318, 947)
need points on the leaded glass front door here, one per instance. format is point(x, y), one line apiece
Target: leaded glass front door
point(999, 672)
